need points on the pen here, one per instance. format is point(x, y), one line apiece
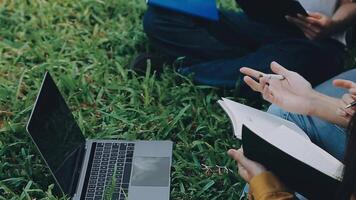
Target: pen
point(351, 105)
point(274, 76)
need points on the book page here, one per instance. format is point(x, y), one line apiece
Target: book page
point(284, 139)
point(255, 119)
point(326, 7)
point(235, 121)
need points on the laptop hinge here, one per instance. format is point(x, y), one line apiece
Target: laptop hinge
point(78, 166)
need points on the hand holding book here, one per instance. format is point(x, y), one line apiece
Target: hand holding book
point(314, 26)
point(281, 147)
point(247, 168)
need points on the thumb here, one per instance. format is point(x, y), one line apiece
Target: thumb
point(279, 69)
point(315, 15)
point(344, 83)
point(239, 157)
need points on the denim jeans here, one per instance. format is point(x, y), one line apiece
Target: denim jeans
point(217, 50)
point(327, 136)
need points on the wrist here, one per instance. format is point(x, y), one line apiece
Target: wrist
point(334, 25)
point(313, 102)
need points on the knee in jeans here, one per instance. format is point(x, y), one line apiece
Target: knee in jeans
point(149, 19)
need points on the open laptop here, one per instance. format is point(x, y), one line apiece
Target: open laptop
point(91, 169)
point(206, 9)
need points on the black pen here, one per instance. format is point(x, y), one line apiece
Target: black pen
point(351, 105)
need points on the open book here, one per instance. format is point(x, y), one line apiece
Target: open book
point(283, 148)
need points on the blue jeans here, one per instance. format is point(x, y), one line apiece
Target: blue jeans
point(216, 51)
point(328, 136)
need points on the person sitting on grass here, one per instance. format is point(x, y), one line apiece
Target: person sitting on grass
point(215, 51)
point(313, 110)
point(295, 94)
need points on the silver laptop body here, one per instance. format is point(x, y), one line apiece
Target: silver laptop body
point(94, 169)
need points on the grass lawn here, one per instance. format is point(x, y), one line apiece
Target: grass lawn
point(87, 45)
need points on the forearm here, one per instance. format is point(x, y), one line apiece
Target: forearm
point(326, 107)
point(345, 16)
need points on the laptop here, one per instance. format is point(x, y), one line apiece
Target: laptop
point(206, 9)
point(91, 169)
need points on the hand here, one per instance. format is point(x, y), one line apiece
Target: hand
point(314, 26)
point(247, 168)
point(293, 94)
point(346, 98)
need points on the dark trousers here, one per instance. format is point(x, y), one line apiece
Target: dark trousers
point(217, 50)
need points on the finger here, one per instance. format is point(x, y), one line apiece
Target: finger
point(242, 172)
point(352, 91)
point(310, 19)
point(264, 82)
point(267, 94)
point(309, 32)
point(279, 69)
point(344, 83)
point(348, 99)
point(239, 157)
point(255, 86)
point(315, 15)
point(298, 21)
point(251, 72)
point(341, 113)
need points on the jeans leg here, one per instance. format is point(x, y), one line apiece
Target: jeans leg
point(316, 61)
point(234, 35)
point(327, 136)
point(330, 90)
point(180, 35)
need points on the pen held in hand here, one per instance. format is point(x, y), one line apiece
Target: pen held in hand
point(274, 76)
point(351, 105)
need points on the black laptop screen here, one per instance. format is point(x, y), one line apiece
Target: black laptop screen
point(57, 135)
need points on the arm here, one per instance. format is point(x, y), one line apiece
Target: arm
point(327, 108)
point(263, 184)
point(345, 15)
point(295, 94)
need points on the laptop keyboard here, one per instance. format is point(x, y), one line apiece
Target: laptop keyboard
point(110, 171)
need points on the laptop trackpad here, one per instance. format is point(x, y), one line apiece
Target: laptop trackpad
point(151, 171)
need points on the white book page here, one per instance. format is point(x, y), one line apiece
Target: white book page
point(236, 123)
point(256, 119)
point(326, 7)
point(286, 140)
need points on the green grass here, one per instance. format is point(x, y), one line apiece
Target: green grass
point(87, 45)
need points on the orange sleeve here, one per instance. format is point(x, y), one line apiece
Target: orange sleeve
point(266, 186)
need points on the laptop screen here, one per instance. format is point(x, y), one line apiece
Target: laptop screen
point(57, 135)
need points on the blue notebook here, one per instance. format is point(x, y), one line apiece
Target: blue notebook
point(206, 9)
